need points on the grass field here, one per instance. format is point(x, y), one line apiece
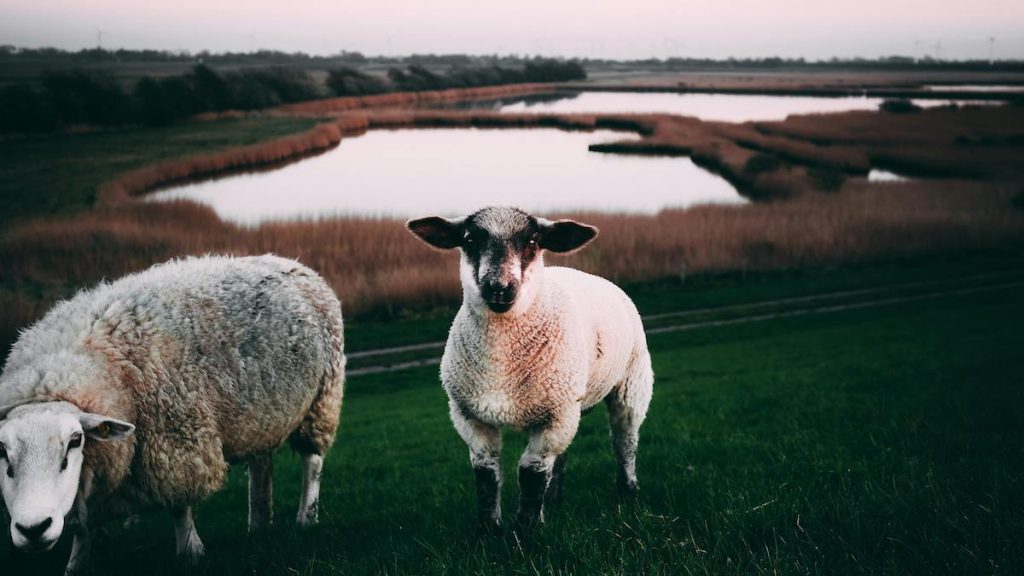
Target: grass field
point(59, 174)
point(883, 440)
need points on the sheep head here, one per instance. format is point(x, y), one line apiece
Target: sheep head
point(502, 251)
point(40, 464)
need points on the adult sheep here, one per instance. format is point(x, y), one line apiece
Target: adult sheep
point(533, 348)
point(140, 393)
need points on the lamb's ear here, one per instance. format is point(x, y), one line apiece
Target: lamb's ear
point(436, 231)
point(565, 235)
point(104, 428)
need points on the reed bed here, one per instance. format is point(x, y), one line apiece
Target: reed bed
point(378, 269)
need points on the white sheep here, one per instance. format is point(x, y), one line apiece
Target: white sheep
point(533, 348)
point(140, 393)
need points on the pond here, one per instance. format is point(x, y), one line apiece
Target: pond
point(975, 87)
point(714, 107)
point(450, 172)
point(879, 175)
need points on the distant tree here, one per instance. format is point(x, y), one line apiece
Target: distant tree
point(78, 96)
point(351, 82)
point(211, 89)
point(898, 106)
point(24, 109)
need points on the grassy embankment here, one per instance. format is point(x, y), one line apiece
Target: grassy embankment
point(884, 440)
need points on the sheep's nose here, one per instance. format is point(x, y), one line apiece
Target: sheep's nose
point(33, 533)
point(500, 291)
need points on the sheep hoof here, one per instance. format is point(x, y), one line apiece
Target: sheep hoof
point(308, 518)
point(192, 555)
point(489, 526)
point(527, 522)
point(628, 488)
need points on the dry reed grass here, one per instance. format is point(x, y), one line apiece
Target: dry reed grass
point(379, 269)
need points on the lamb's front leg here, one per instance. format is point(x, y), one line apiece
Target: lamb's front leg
point(537, 464)
point(484, 443)
point(81, 548)
point(189, 547)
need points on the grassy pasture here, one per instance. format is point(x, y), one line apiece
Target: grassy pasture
point(884, 440)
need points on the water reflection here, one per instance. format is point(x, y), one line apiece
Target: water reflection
point(879, 175)
point(714, 107)
point(974, 88)
point(408, 173)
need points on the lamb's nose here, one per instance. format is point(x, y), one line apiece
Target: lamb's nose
point(500, 290)
point(34, 532)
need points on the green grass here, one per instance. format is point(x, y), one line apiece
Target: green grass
point(885, 440)
point(59, 174)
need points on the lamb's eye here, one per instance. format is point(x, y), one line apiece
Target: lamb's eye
point(469, 240)
point(3, 452)
point(76, 440)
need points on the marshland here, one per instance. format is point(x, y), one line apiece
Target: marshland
point(836, 386)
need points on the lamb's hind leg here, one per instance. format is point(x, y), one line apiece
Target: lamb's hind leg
point(554, 494)
point(309, 505)
point(261, 492)
point(627, 408)
point(313, 439)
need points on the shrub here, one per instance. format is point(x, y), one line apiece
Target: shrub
point(287, 84)
point(898, 106)
point(23, 109)
point(211, 89)
point(81, 97)
point(351, 82)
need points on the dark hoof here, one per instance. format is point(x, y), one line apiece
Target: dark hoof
point(628, 489)
point(527, 523)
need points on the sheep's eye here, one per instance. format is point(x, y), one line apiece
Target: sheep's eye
point(3, 452)
point(469, 240)
point(76, 440)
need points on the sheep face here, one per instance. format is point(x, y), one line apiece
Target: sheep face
point(40, 464)
point(501, 252)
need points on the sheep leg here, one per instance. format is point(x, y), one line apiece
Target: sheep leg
point(538, 462)
point(554, 494)
point(81, 548)
point(189, 547)
point(261, 492)
point(309, 505)
point(627, 407)
point(484, 443)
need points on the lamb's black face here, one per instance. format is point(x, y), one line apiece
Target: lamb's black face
point(499, 246)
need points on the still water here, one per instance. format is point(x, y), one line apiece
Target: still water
point(714, 107)
point(407, 173)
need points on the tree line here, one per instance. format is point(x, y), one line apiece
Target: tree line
point(91, 97)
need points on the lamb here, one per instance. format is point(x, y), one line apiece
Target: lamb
point(534, 347)
point(140, 393)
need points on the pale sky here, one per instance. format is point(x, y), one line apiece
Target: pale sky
point(625, 29)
